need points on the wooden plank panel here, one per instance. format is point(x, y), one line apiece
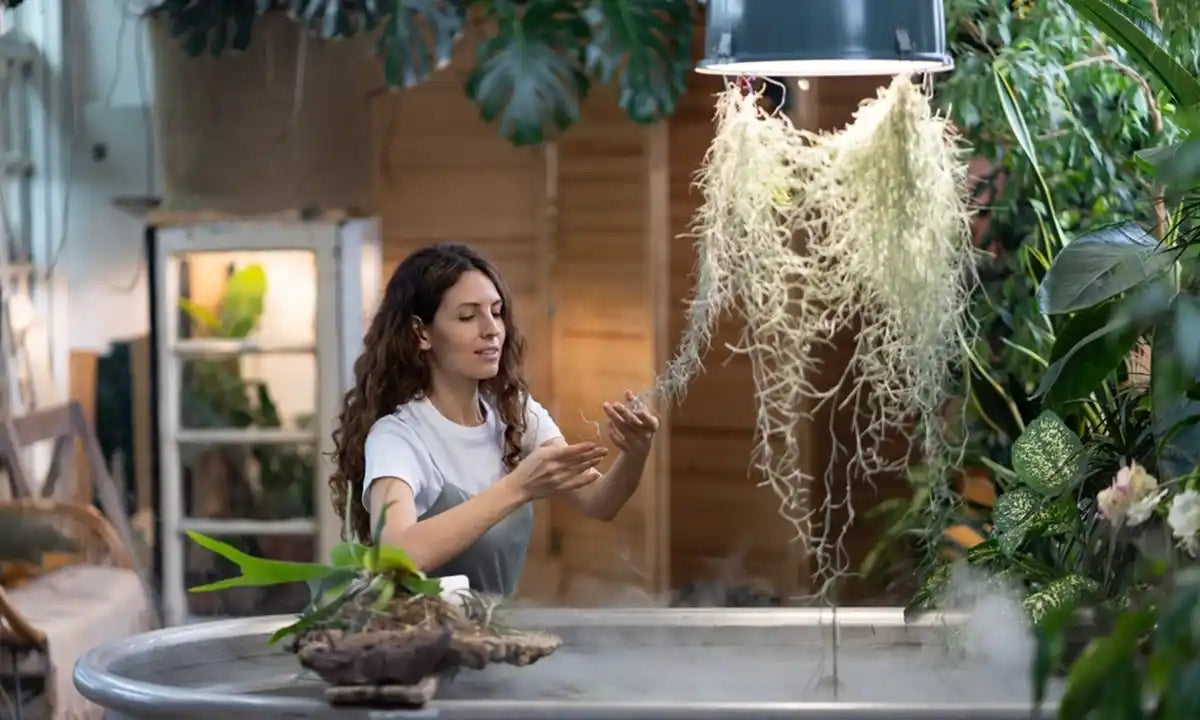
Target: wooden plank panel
point(604, 331)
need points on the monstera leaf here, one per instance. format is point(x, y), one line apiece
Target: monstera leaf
point(408, 57)
point(529, 76)
point(654, 40)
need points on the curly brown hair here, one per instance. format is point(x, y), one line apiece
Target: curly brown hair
point(393, 370)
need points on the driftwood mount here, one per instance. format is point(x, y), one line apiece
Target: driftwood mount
point(396, 656)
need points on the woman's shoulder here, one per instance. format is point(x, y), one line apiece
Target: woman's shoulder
point(401, 422)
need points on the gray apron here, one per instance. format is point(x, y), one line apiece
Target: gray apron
point(493, 564)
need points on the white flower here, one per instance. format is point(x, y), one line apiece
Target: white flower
point(1141, 510)
point(1114, 502)
point(1131, 496)
point(1184, 519)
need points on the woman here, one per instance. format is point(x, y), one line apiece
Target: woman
point(441, 430)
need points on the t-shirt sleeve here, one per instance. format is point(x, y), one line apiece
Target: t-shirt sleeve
point(540, 428)
point(392, 451)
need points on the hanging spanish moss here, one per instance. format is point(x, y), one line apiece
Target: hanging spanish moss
point(804, 235)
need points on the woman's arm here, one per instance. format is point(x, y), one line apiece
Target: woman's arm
point(435, 541)
point(604, 498)
point(632, 429)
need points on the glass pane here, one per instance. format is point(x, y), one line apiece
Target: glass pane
point(202, 566)
point(251, 482)
point(276, 390)
point(264, 295)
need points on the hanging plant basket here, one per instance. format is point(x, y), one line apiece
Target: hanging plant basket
point(281, 125)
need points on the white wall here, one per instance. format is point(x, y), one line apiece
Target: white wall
point(104, 147)
point(112, 157)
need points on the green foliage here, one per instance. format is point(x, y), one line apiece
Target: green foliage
point(1100, 288)
point(1145, 667)
point(532, 70)
point(216, 395)
point(1033, 80)
point(352, 569)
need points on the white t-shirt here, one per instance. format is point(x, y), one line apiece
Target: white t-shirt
point(424, 448)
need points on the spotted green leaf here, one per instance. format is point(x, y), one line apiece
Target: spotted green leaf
point(1014, 512)
point(1059, 595)
point(1048, 457)
point(1060, 517)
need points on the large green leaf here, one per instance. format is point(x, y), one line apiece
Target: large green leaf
point(529, 75)
point(242, 301)
point(1177, 165)
point(409, 58)
point(1135, 34)
point(1048, 456)
point(257, 572)
point(1105, 675)
point(1099, 266)
point(1092, 344)
point(649, 42)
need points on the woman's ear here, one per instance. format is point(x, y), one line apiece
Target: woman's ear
point(422, 337)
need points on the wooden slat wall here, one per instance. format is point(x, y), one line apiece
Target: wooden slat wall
point(606, 283)
point(723, 528)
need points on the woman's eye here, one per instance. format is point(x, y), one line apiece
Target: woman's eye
point(466, 319)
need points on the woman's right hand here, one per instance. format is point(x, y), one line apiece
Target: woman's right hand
point(552, 468)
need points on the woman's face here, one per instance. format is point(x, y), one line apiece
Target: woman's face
point(468, 331)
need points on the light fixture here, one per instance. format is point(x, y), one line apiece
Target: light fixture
point(815, 38)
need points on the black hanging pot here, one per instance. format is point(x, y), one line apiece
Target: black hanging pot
point(820, 38)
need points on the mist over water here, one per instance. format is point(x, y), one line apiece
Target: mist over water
point(985, 658)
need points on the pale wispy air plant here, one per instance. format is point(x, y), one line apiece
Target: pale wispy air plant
point(803, 235)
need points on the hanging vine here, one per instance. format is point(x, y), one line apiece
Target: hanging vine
point(803, 235)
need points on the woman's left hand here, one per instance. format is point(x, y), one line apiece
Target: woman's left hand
point(631, 426)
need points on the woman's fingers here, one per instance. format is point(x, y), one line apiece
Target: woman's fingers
point(617, 436)
point(621, 416)
point(568, 453)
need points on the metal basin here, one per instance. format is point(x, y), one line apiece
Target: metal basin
point(652, 664)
